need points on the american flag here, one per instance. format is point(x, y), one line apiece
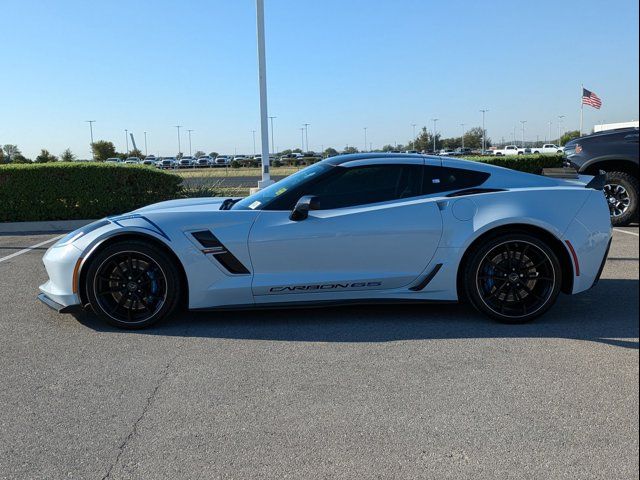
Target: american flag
point(590, 98)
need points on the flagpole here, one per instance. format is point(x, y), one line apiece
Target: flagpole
point(581, 107)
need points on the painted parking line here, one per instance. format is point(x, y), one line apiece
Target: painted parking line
point(626, 231)
point(32, 247)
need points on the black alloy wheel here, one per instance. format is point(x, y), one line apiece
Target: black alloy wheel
point(514, 278)
point(132, 284)
point(618, 199)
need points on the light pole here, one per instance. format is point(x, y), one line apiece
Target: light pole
point(272, 144)
point(302, 138)
point(414, 135)
point(178, 127)
point(523, 122)
point(484, 132)
point(190, 140)
point(262, 80)
point(91, 122)
point(126, 139)
point(253, 132)
point(365, 139)
point(435, 120)
point(462, 125)
point(145, 144)
point(306, 135)
point(549, 137)
point(560, 117)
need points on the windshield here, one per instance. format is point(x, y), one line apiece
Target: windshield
point(258, 200)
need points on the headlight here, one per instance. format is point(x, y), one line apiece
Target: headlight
point(76, 234)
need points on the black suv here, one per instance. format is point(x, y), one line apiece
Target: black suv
point(615, 152)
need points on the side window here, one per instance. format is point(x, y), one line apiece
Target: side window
point(444, 179)
point(368, 184)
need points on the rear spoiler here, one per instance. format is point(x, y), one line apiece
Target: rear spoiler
point(597, 182)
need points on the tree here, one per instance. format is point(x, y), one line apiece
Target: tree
point(103, 150)
point(19, 158)
point(473, 138)
point(213, 154)
point(46, 157)
point(199, 154)
point(350, 150)
point(2, 156)
point(568, 136)
point(423, 142)
point(330, 152)
point(10, 151)
point(67, 156)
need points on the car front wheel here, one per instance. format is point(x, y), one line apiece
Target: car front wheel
point(132, 284)
point(513, 278)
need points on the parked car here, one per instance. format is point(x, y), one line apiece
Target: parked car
point(445, 151)
point(507, 150)
point(317, 237)
point(524, 151)
point(204, 161)
point(132, 161)
point(113, 160)
point(167, 163)
point(547, 149)
point(616, 153)
point(222, 161)
point(461, 151)
point(186, 162)
point(149, 160)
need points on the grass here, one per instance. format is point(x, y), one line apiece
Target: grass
point(232, 172)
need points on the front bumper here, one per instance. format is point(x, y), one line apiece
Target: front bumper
point(59, 289)
point(56, 306)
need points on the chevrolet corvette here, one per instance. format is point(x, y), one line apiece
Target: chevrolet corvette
point(358, 228)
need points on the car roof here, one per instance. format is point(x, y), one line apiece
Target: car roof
point(340, 159)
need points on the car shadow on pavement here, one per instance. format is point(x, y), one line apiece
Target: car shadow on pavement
point(608, 314)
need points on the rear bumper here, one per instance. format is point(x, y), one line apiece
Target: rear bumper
point(57, 306)
point(589, 234)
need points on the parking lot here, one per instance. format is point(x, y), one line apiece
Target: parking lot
point(358, 392)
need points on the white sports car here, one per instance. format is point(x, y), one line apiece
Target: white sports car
point(353, 228)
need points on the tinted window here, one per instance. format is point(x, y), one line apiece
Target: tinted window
point(367, 184)
point(443, 179)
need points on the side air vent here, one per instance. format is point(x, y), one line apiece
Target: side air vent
point(206, 239)
point(211, 245)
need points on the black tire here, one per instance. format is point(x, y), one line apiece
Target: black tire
point(621, 190)
point(132, 284)
point(513, 278)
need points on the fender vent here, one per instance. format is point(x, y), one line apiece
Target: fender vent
point(215, 247)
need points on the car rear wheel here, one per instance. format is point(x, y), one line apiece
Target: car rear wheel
point(132, 284)
point(621, 191)
point(513, 278)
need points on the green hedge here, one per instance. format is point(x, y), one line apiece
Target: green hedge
point(64, 191)
point(523, 163)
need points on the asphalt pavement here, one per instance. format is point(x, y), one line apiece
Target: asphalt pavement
point(360, 392)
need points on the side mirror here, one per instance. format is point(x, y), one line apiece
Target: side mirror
point(301, 210)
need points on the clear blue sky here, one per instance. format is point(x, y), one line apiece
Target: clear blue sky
point(338, 65)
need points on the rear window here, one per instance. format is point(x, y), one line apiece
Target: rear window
point(445, 179)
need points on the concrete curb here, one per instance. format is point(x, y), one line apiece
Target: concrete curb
point(52, 226)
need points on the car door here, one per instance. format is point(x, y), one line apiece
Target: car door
point(374, 231)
